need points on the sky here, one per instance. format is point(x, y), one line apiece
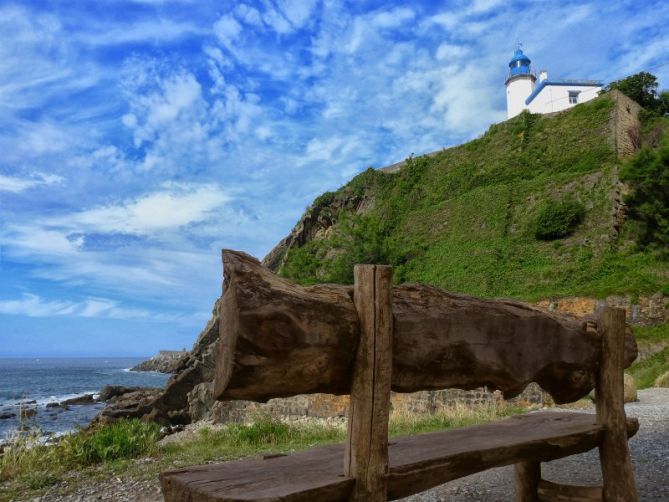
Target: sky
point(139, 138)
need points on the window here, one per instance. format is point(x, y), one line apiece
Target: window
point(573, 97)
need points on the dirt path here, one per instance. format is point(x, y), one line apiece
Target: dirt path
point(649, 448)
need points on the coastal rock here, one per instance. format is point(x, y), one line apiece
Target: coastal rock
point(166, 361)
point(629, 393)
point(85, 399)
point(110, 392)
point(133, 404)
point(5, 415)
point(27, 413)
point(200, 401)
point(172, 405)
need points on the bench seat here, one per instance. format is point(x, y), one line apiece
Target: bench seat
point(416, 463)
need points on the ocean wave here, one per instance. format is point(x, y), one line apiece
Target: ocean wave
point(43, 401)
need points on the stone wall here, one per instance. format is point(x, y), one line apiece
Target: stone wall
point(329, 406)
point(643, 310)
point(624, 124)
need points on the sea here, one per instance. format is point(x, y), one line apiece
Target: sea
point(35, 382)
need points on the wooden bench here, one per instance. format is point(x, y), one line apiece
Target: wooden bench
point(370, 468)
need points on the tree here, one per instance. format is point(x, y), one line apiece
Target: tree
point(664, 100)
point(648, 177)
point(641, 87)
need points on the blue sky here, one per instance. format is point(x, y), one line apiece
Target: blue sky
point(138, 138)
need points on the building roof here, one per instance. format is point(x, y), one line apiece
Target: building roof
point(547, 82)
point(519, 55)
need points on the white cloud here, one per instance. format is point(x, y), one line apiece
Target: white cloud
point(297, 12)
point(175, 206)
point(16, 184)
point(277, 21)
point(450, 51)
point(227, 29)
point(480, 6)
point(32, 305)
point(248, 14)
point(392, 18)
point(155, 30)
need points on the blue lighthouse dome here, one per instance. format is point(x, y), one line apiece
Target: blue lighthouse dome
point(519, 64)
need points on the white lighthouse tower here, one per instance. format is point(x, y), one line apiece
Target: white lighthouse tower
point(519, 83)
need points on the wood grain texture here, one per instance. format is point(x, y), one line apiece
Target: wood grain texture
point(527, 476)
point(278, 339)
point(614, 455)
point(554, 492)
point(417, 463)
point(366, 455)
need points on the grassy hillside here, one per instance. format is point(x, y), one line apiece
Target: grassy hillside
point(468, 218)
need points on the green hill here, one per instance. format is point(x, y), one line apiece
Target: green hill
point(485, 218)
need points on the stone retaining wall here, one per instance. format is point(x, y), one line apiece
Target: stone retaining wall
point(328, 406)
point(644, 310)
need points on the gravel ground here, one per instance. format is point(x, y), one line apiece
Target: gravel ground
point(649, 449)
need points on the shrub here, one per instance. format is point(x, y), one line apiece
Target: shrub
point(557, 219)
point(662, 380)
point(647, 371)
point(122, 439)
point(265, 430)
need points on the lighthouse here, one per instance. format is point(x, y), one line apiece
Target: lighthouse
point(519, 83)
point(524, 92)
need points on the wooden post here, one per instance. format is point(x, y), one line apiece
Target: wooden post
point(614, 455)
point(527, 478)
point(366, 457)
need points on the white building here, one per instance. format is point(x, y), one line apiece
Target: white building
point(524, 92)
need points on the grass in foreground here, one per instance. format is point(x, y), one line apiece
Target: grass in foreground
point(646, 372)
point(28, 469)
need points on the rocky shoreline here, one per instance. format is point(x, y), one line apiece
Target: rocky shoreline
point(26, 413)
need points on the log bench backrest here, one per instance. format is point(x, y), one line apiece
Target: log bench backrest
point(279, 339)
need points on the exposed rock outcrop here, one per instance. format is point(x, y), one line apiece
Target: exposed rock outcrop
point(165, 361)
point(85, 399)
point(316, 222)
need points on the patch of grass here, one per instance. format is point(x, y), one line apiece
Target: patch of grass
point(122, 439)
point(449, 417)
point(41, 465)
point(652, 333)
point(646, 372)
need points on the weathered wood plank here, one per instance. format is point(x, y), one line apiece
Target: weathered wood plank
point(417, 463)
point(278, 339)
point(527, 476)
point(614, 455)
point(366, 456)
point(554, 492)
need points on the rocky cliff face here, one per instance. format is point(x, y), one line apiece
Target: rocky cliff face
point(183, 399)
point(166, 361)
point(315, 223)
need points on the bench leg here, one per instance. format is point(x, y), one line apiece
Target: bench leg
point(527, 477)
point(614, 453)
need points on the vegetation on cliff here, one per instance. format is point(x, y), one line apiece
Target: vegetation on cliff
point(466, 218)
